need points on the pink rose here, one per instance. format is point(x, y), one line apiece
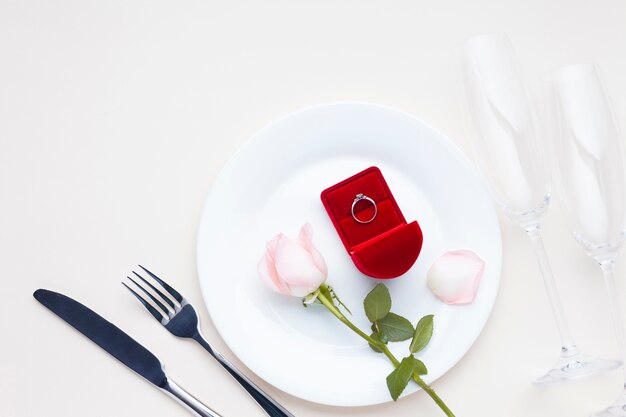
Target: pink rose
point(293, 267)
point(454, 276)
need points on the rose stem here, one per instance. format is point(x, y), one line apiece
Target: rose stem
point(381, 346)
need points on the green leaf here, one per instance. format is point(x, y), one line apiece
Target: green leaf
point(376, 336)
point(423, 333)
point(377, 303)
point(396, 327)
point(400, 377)
point(419, 367)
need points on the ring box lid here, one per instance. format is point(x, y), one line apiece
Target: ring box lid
point(387, 246)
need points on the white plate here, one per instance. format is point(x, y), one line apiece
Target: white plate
point(273, 184)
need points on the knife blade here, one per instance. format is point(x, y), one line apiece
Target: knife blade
point(105, 334)
point(120, 345)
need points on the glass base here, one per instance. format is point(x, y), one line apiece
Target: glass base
point(577, 366)
point(618, 409)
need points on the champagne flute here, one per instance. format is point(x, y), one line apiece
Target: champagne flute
point(590, 179)
point(506, 148)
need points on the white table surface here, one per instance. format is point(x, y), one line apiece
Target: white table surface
point(116, 116)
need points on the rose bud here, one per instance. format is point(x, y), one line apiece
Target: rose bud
point(454, 276)
point(293, 266)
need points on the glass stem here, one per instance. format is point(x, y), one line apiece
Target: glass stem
point(568, 347)
point(608, 268)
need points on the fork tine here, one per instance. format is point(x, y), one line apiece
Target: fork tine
point(165, 285)
point(146, 304)
point(156, 290)
point(152, 297)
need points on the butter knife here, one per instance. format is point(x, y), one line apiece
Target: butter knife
point(121, 346)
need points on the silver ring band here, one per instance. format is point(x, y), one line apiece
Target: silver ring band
point(358, 198)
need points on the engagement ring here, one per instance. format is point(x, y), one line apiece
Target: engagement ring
point(358, 198)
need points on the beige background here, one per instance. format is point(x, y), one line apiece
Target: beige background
point(115, 117)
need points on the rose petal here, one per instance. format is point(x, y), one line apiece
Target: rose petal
point(320, 263)
point(267, 272)
point(303, 291)
point(272, 245)
point(455, 276)
point(293, 267)
point(306, 236)
point(296, 267)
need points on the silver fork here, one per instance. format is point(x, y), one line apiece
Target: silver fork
point(181, 320)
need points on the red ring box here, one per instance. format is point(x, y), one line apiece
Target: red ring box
point(387, 247)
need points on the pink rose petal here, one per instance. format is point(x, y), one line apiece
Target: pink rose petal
point(455, 276)
point(293, 266)
point(267, 272)
point(306, 237)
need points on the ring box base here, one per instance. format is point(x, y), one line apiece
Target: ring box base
point(386, 247)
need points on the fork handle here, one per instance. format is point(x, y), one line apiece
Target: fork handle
point(268, 404)
point(188, 400)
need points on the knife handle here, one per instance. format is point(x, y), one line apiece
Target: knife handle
point(188, 400)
